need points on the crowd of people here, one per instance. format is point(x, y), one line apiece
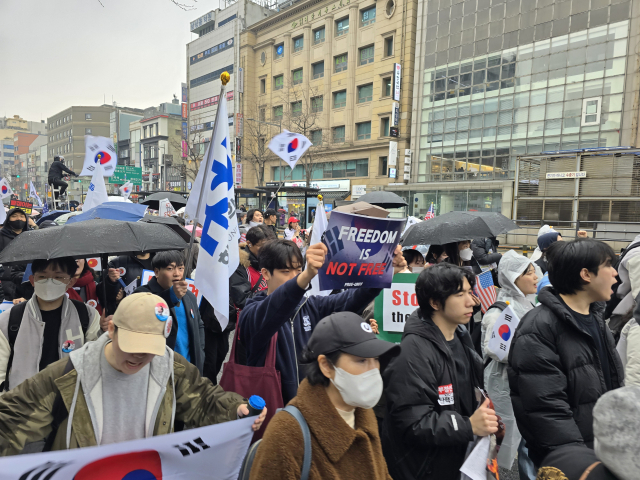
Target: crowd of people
point(83, 362)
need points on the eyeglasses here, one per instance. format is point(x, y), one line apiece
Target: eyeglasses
point(59, 278)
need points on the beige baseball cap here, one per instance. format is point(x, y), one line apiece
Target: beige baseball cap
point(144, 322)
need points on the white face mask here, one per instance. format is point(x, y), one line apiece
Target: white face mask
point(466, 254)
point(49, 289)
point(362, 390)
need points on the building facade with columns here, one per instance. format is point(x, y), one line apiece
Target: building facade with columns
point(330, 70)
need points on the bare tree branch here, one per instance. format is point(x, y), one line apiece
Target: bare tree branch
point(183, 6)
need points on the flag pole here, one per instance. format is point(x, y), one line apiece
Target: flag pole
point(224, 78)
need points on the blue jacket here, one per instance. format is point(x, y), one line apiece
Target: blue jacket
point(263, 316)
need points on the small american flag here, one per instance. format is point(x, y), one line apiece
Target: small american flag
point(485, 290)
point(430, 213)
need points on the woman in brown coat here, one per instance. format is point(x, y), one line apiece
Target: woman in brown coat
point(343, 383)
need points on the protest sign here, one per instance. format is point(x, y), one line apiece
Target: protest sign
point(360, 251)
point(502, 333)
point(186, 454)
point(148, 275)
point(27, 207)
point(394, 305)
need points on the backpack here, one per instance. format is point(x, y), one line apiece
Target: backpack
point(15, 319)
point(613, 302)
point(500, 306)
point(247, 463)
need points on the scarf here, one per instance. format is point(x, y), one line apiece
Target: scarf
point(87, 282)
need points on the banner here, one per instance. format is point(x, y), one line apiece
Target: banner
point(394, 305)
point(149, 274)
point(186, 454)
point(165, 208)
point(97, 193)
point(320, 225)
point(99, 151)
point(289, 146)
point(360, 251)
point(502, 333)
point(27, 207)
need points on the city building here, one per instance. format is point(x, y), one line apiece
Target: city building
point(213, 52)
point(119, 121)
point(8, 127)
point(498, 79)
point(28, 163)
point(341, 73)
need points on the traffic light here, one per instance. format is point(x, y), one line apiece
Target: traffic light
point(18, 176)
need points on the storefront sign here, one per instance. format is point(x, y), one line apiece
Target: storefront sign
point(241, 80)
point(397, 77)
point(358, 190)
point(393, 154)
point(208, 102)
point(238, 174)
point(395, 114)
point(324, 185)
point(566, 175)
point(184, 111)
point(221, 47)
point(239, 124)
point(184, 93)
point(317, 14)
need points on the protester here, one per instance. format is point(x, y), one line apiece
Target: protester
point(254, 217)
point(620, 308)
point(285, 310)
point(432, 412)
point(537, 253)
point(544, 242)
point(48, 327)
point(187, 331)
point(518, 279)
point(562, 356)
point(485, 251)
point(55, 175)
point(11, 277)
point(83, 288)
point(435, 255)
point(270, 219)
point(616, 428)
point(127, 385)
point(342, 385)
point(242, 227)
point(414, 258)
point(460, 254)
point(629, 349)
point(293, 230)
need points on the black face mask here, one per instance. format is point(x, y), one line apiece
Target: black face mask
point(17, 224)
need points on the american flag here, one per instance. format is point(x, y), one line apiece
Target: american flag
point(430, 213)
point(485, 290)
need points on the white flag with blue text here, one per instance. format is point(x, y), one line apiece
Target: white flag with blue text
point(218, 257)
point(35, 195)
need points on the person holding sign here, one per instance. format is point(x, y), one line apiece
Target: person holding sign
point(563, 357)
point(285, 310)
point(432, 412)
point(518, 278)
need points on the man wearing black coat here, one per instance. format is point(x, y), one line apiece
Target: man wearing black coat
point(126, 268)
point(563, 357)
point(55, 174)
point(432, 412)
point(11, 276)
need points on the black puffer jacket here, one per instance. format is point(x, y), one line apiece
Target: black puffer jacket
point(56, 169)
point(555, 376)
point(481, 248)
point(11, 276)
point(422, 439)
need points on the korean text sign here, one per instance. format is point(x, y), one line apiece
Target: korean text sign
point(360, 251)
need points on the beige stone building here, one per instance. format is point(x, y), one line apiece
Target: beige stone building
point(326, 69)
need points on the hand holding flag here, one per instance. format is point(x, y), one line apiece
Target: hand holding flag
point(485, 290)
point(502, 333)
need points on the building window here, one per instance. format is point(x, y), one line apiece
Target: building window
point(316, 137)
point(366, 55)
point(263, 115)
point(382, 166)
point(365, 93)
point(297, 76)
point(317, 104)
point(384, 126)
point(279, 50)
point(298, 44)
point(296, 108)
point(278, 82)
point(144, 132)
point(342, 27)
point(386, 86)
point(368, 16)
point(87, 116)
point(327, 170)
point(318, 36)
point(338, 134)
point(364, 130)
point(263, 85)
point(591, 109)
point(340, 62)
point(277, 112)
point(87, 131)
point(340, 99)
point(388, 47)
point(318, 70)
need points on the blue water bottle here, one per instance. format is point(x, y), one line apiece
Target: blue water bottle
point(256, 405)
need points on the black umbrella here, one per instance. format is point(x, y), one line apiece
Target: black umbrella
point(457, 227)
point(170, 222)
point(383, 199)
point(152, 201)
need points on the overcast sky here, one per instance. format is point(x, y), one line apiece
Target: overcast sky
point(59, 53)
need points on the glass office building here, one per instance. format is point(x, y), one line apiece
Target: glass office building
point(498, 79)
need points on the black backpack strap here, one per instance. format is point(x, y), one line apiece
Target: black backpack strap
point(255, 287)
point(500, 306)
point(15, 319)
point(83, 313)
point(306, 436)
point(58, 411)
point(247, 463)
